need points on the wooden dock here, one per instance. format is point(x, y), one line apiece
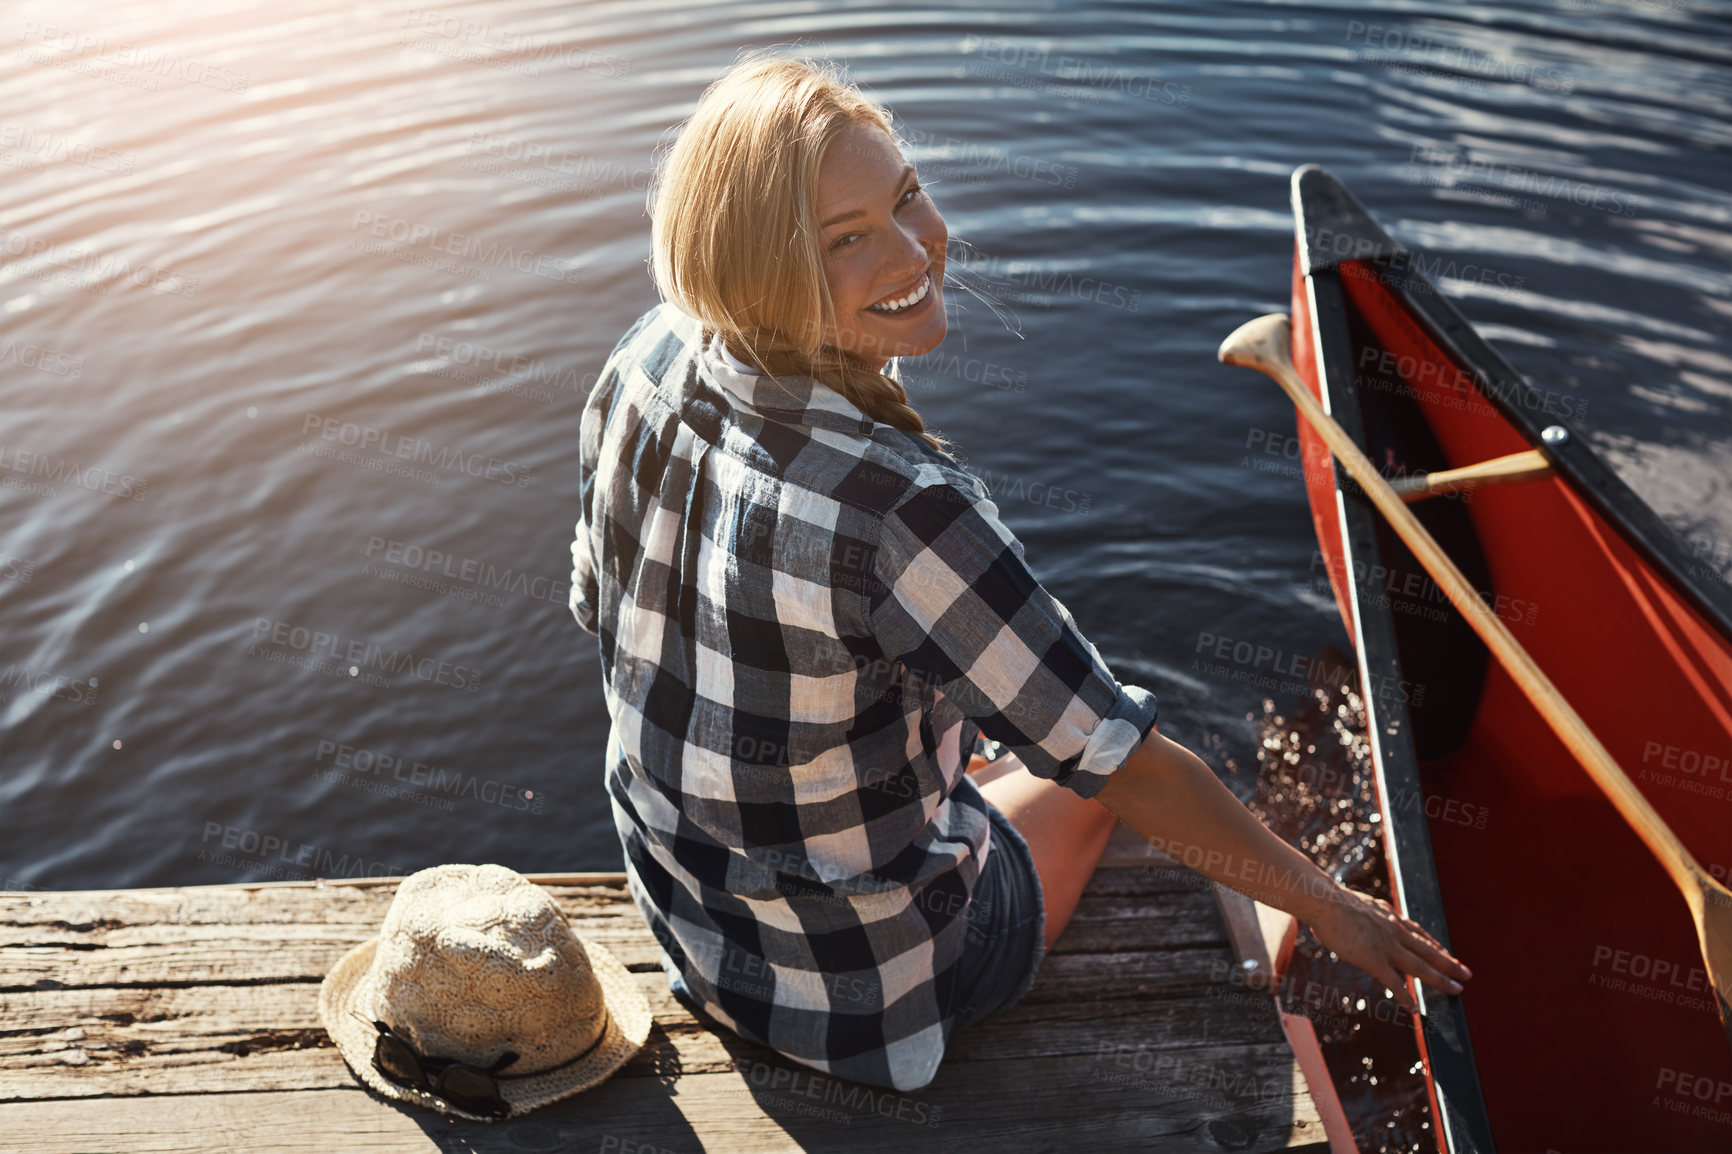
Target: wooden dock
point(185, 1019)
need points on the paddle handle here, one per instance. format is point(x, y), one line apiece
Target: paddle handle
point(1574, 732)
point(1520, 466)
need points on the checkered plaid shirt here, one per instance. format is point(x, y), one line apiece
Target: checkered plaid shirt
point(805, 619)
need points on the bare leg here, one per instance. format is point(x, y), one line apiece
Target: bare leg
point(1066, 834)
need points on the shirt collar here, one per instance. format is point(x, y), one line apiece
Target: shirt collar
point(790, 399)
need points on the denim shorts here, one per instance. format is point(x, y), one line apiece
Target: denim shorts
point(1006, 937)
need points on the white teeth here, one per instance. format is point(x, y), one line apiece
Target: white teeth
point(913, 298)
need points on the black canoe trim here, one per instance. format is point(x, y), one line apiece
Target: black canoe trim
point(1332, 226)
point(1465, 1127)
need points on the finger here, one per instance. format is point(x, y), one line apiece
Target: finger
point(1420, 936)
point(1420, 932)
point(1408, 923)
point(1419, 939)
point(1395, 984)
point(1428, 948)
point(1412, 963)
point(1443, 960)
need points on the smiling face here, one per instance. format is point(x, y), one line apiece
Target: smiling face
point(883, 245)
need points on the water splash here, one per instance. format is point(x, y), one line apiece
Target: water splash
point(1316, 788)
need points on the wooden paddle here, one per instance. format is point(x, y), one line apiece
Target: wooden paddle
point(1522, 466)
point(1265, 345)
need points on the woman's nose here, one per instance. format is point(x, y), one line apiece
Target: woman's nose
point(913, 249)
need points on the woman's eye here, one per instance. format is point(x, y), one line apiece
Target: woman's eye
point(849, 238)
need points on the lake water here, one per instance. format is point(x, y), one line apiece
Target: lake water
point(300, 302)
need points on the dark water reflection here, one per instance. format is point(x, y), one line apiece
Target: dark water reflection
point(300, 303)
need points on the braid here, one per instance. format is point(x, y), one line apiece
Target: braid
point(879, 396)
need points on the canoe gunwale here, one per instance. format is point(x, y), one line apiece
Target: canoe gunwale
point(1464, 1126)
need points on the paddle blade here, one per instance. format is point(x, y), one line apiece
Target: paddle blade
point(1714, 929)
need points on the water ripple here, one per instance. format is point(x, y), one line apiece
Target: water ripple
point(279, 261)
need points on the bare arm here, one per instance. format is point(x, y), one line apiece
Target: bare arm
point(1166, 793)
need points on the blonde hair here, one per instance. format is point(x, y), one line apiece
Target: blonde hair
point(734, 211)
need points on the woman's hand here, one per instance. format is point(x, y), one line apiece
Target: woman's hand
point(1367, 932)
point(1166, 793)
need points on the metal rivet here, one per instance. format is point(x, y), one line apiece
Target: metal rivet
point(1555, 435)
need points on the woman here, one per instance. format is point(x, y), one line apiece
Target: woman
point(809, 612)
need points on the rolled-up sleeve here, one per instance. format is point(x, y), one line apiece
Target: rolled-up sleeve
point(955, 603)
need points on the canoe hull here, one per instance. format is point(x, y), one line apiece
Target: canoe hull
point(1497, 840)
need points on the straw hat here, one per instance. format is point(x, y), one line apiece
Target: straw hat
point(475, 960)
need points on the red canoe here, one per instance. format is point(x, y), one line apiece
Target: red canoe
point(1589, 1024)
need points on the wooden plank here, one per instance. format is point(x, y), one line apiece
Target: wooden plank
point(95, 913)
point(1134, 974)
point(233, 901)
point(1127, 847)
point(1056, 1028)
point(236, 954)
point(1107, 922)
point(89, 916)
point(206, 955)
point(195, 935)
point(1198, 1098)
point(162, 1016)
point(229, 1038)
point(120, 1023)
point(116, 1041)
point(1261, 937)
point(208, 934)
point(1151, 880)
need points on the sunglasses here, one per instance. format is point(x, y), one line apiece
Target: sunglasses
point(466, 1087)
point(469, 1088)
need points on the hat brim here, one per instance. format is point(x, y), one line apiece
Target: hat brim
point(345, 993)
